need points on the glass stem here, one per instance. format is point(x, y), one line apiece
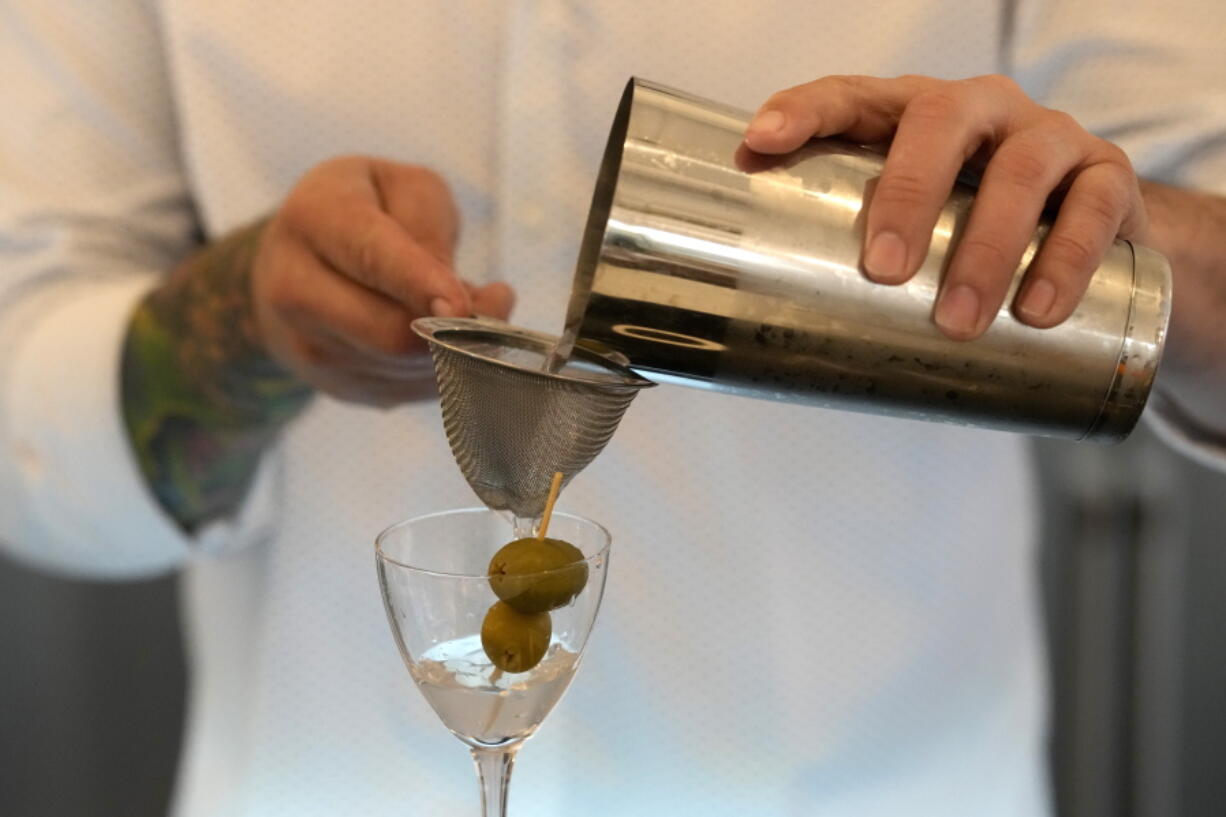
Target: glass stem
point(494, 775)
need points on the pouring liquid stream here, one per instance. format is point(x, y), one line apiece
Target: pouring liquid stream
point(559, 354)
point(524, 527)
point(555, 361)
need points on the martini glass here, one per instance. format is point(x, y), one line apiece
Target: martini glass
point(433, 575)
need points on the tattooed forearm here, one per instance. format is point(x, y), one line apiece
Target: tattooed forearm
point(201, 398)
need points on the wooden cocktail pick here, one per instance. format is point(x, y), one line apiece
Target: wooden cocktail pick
point(554, 488)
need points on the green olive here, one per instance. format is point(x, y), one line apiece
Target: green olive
point(537, 575)
point(514, 641)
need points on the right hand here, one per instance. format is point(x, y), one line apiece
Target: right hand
point(359, 248)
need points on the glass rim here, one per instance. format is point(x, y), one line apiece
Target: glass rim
point(382, 556)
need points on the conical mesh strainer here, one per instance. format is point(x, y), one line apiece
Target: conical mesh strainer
point(510, 423)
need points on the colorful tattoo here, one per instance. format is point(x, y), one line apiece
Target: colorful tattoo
point(201, 398)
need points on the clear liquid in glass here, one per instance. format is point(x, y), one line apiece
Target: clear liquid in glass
point(484, 706)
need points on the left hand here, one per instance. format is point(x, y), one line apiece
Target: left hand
point(1030, 154)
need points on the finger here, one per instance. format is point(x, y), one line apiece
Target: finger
point(938, 131)
point(1100, 200)
point(419, 200)
point(1015, 187)
point(342, 372)
point(321, 298)
point(373, 390)
point(337, 354)
point(493, 300)
point(346, 357)
point(364, 243)
point(865, 109)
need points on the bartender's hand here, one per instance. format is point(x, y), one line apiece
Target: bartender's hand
point(229, 347)
point(359, 248)
point(1029, 155)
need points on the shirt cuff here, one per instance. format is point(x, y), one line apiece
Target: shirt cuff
point(80, 504)
point(1181, 434)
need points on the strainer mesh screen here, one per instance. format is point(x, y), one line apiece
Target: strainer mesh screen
point(511, 427)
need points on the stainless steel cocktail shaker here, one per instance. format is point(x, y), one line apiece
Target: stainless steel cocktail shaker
point(709, 266)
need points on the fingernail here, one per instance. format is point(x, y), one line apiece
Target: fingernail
point(441, 308)
point(958, 311)
point(886, 258)
point(768, 122)
point(1037, 300)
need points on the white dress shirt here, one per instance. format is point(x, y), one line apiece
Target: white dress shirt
point(808, 612)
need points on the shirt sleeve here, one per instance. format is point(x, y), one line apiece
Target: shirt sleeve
point(1183, 435)
point(1150, 77)
point(94, 207)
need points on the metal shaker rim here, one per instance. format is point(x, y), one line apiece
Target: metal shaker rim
point(1141, 347)
point(602, 205)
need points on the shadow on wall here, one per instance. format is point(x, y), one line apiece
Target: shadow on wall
point(91, 696)
point(1134, 580)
